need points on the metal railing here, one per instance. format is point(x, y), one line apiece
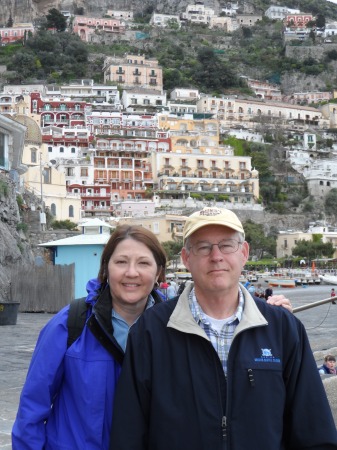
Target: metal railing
point(314, 304)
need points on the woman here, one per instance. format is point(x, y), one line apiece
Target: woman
point(66, 402)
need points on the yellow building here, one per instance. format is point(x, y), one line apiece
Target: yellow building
point(42, 179)
point(133, 71)
point(197, 163)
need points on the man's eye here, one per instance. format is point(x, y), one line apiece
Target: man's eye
point(203, 247)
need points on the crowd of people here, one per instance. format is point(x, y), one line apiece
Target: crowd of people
point(175, 373)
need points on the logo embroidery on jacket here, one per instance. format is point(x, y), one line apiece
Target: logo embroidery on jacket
point(267, 356)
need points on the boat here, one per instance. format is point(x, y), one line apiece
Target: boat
point(328, 279)
point(282, 282)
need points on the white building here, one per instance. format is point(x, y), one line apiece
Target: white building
point(164, 20)
point(138, 99)
point(198, 13)
point(279, 12)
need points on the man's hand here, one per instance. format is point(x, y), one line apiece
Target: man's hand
point(280, 300)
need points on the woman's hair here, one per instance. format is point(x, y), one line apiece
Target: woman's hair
point(329, 358)
point(137, 233)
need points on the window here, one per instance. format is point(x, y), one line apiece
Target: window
point(84, 172)
point(3, 155)
point(61, 149)
point(285, 243)
point(50, 149)
point(33, 156)
point(53, 209)
point(71, 211)
point(70, 171)
point(155, 227)
point(73, 150)
point(46, 175)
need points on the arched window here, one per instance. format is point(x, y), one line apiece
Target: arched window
point(53, 209)
point(71, 211)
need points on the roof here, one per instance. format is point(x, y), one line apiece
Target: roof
point(81, 239)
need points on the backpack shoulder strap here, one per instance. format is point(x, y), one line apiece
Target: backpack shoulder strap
point(76, 319)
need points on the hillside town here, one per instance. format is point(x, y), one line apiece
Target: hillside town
point(127, 150)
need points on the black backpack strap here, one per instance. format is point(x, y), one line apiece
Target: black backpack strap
point(76, 319)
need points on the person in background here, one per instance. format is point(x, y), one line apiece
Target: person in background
point(66, 401)
point(217, 368)
point(268, 293)
point(329, 366)
point(171, 292)
point(333, 294)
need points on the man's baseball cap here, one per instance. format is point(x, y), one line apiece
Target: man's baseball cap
point(211, 216)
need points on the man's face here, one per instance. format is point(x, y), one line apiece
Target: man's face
point(217, 272)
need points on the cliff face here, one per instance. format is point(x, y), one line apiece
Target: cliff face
point(14, 247)
point(28, 10)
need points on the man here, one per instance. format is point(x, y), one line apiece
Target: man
point(217, 369)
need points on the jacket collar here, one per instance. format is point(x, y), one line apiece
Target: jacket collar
point(182, 320)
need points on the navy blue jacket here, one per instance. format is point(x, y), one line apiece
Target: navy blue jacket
point(173, 393)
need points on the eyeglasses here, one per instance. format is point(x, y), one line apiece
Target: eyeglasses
point(205, 248)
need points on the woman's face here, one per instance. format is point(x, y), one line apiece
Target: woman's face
point(132, 273)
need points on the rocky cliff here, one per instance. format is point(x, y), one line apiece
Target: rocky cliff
point(28, 10)
point(14, 247)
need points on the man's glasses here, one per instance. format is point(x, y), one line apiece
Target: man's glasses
point(205, 248)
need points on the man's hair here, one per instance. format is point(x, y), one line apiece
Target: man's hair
point(329, 358)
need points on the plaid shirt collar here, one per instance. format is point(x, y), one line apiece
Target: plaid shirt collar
point(199, 315)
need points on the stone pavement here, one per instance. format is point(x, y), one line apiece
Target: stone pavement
point(17, 345)
point(18, 342)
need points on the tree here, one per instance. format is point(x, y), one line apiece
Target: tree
point(313, 249)
point(55, 19)
point(259, 243)
point(330, 202)
point(320, 21)
point(10, 22)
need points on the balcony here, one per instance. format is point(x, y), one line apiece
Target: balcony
point(120, 71)
point(136, 73)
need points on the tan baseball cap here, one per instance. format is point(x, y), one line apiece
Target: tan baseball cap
point(211, 216)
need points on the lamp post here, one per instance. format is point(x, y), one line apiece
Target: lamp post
point(43, 220)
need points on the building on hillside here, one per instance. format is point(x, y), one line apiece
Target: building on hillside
point(197, 13)
point(297, 20)
point(84, 251)
point(120, 14)
point(330, 29)
point(308, 97)
point(248, 20)
point(66, 142)
point(181, 107)
point(230, 8)
point(84, 27)
point(279, 12)
point(143, 100)
point(164, 20)
point(16, 33)
point(12, 135)
point(200, 174)
point(61, 112)
point(227, 24)
point(221, 108)
point(321, 177)
point(198, 165)
point(133, 71)
point(264, 89)
point(287, 240)
point(86, 90)
point(184, 94)
point(295, 33)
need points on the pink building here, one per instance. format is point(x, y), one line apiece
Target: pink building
point(85, 26)
point(298, 20)
point(9, 35)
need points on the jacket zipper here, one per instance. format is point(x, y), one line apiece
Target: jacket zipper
point(224, 427)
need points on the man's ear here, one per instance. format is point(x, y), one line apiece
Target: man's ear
point(245, 251)
point(184, 257)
